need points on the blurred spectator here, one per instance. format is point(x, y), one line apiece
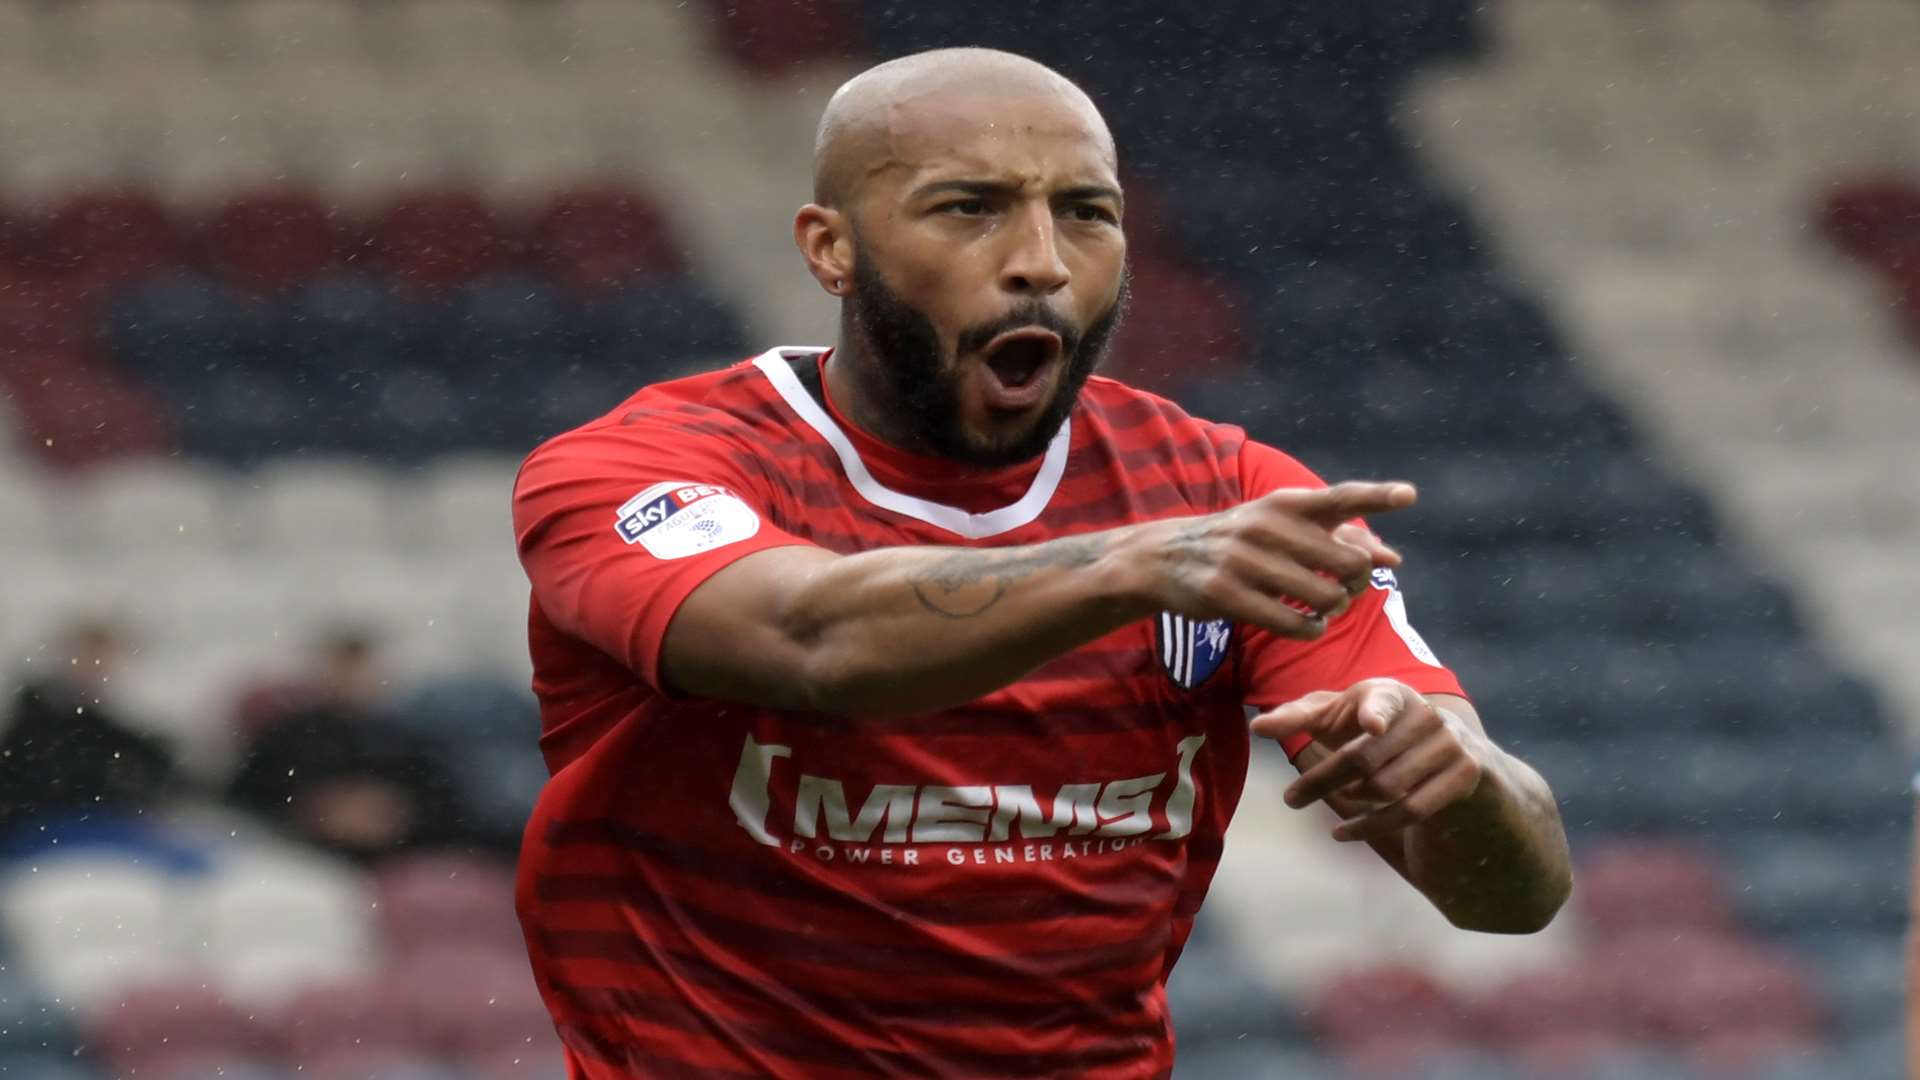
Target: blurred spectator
point(346, 672)
point(348, 781)
point(326, 763)
point(64, 752)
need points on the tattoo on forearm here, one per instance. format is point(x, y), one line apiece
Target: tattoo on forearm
point(970, 583)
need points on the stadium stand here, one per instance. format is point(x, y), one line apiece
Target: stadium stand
point(287, 286)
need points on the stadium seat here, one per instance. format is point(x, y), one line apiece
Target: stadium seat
point(470, 707)
point(1386, 1003)
point(87, 901)
point(31, 1024)
point(28, 520)
point(435, 239)
point(109, 236)
point(1627, 887)
point(28, 1066)
point(283, 898)
point(145, 504)
point(151, 1025)
point(473, 1003)
point(331, 1019)
point(271, 240)
point(432, 900)
point(317, 505)
point(459, 502)
point(1253, 1058)
point(597, 238)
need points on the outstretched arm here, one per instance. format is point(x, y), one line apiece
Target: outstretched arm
point(1474, 828)
point(916, 628)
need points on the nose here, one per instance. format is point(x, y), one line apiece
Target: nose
point(1033, 266)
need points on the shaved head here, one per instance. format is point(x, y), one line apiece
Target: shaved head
point(875, 110)
point(967, 213)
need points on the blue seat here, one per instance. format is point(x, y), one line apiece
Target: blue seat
point(1214, 999)
point(1253, 1059)
point(512, 317)
point(497, 783)
point(1806, 883)
point(650, 327)
point(470, 708)
point(15, 1066)
point(1862, 978)
point(175, 330)
point(344, 319)
point(32, 1027)
point(1639, 1065)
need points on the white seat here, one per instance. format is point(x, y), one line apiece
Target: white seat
point(70, 904)
point(324, 505)
point(268, 978)
point(452, 32)
point(285, 900)
point(283, 32)
point(28, 513)
point(112, 31)
point(151, 503)
point(460, 503)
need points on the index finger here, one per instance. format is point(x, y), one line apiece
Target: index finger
point(1332, 506)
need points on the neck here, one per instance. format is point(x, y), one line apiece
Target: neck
point(859, 389)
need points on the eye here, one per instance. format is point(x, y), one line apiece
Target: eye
point(1091, 212)
point(965, 207)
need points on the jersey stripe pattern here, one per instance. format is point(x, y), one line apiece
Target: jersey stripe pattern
point(995, 890)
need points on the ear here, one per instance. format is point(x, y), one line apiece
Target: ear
point(825, 238)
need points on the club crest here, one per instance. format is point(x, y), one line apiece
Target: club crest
point(1191, 651)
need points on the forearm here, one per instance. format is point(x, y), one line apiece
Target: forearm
point(909, 629)
point(1496, 861)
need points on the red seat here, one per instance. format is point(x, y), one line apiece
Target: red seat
point(1187, 329)
point(1571, 1003)
point(367, 1017)
point(472, 1003)
point(75, 411)
point(269, 240)
point(109, 236)
point(171, 1023)
point(436, 239)
point(774, 37)
point(41, 313)
point(448, 900)
point(1631, 886)
point(1386, 1004)
point(1876, 221)
point(596, 238)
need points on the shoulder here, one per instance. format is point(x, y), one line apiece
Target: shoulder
point(730, 405)
point(1137, 418)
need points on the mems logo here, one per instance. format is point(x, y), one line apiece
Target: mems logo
point(1007, 822)
point(680, 518)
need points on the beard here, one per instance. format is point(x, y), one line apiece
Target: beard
point(922, 390)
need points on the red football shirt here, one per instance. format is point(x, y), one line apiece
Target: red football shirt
point(995, 890)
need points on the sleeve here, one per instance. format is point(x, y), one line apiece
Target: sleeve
point(1374, 639)
point(616, 527)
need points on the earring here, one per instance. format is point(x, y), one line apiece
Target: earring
point(838, 284)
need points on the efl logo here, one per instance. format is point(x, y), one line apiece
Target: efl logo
point(1190, 651)
point(681, 518)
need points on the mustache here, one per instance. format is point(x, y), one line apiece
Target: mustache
point(975, 338)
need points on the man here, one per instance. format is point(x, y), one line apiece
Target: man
point(894, 693)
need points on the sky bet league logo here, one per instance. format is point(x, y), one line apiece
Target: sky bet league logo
point(680, 518)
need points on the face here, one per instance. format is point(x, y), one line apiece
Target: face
point(988, 272)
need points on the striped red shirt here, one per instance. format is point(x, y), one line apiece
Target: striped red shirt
point(994, 890)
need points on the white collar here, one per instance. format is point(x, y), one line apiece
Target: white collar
point(773, 363)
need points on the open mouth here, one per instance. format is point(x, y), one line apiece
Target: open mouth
point(1018, 357)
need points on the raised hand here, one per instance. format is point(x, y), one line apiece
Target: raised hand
point(1399, 760)
point(1287, 561)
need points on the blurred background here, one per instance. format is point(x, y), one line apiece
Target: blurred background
point(288, 287)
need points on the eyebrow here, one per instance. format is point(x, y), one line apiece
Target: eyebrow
point(979, 188)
